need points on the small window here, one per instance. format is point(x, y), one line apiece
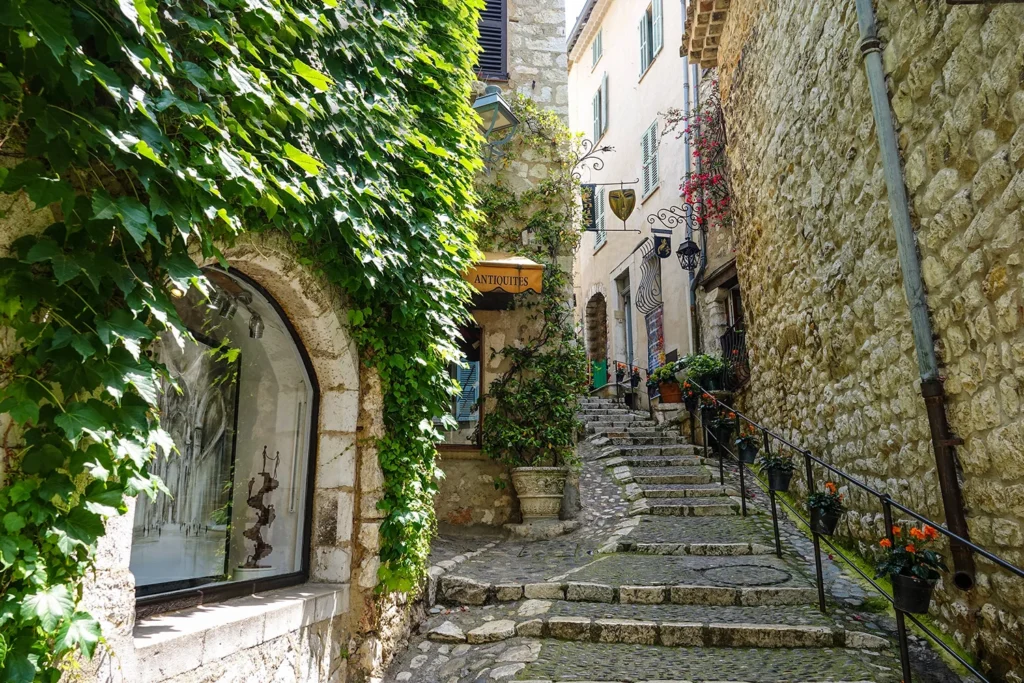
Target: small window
point(651, 35)
point(241, 416)
point(601, 236)
point(465, 408)
point(597, 48)
point(492, 62)
point(650, 177)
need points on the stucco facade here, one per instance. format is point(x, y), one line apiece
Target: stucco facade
point(612, 272)
point(829, 330)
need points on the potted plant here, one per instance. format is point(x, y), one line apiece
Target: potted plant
point(826, 508)
point(691, 396)
point(747, 444)
point(664, 378)
point(779, 468)
point(722, 427)
point(911, 566)
point(705, 370)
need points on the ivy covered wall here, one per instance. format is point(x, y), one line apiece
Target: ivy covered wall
point(152, 129)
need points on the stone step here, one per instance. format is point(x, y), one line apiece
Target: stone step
point(648, 441)
point(643, 461)
point(602, 427)
point(606, 411)
point(638, 451)
point(685, 490)
point(564, 661)
point(672, 475)
point(685, 507)
point(650, 529)
point(460, 590)
point(712, 549)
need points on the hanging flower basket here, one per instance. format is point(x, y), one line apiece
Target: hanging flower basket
point(824, 523)
point(911, 594)
point(778, 480)
point(748, 452)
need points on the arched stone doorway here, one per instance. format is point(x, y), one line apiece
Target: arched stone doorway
point(597, 338)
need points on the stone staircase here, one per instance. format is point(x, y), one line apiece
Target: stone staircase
point(684, 588)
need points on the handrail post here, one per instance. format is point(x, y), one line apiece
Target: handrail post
point(901, 621)
point(743, 485)
point(771, 496)
point(704, 428)
point(819, 574)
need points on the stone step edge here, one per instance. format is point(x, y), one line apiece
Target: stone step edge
point(697, 549)
point(650, 507)
point(671, 633)
point(461, 590)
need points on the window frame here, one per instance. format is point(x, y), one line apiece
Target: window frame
point(652, 35)
point(157, 603)
point(597, 49)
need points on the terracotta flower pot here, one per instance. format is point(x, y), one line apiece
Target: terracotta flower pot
point(911, 594)
point(778, 480)
point(824, 522)
point(540, 491)
point(748, 453)
point(670, 392)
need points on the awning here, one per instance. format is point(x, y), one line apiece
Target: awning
point(507, 274)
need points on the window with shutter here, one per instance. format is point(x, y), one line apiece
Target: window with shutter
point(492, 62)
point(649, 155)
point(657, 33)
point(469, 386)
point(604, 103)
point(601, 236)
point(645, 60)
point(597, 115)
point(597, 48)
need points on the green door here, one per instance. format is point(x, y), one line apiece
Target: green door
point(599, 371)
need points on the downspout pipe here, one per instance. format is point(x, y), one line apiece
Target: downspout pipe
point(943, 442)
point(694, 79)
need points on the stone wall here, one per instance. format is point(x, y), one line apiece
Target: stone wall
point(536, 52)
point(467, 496)
point(829, 331)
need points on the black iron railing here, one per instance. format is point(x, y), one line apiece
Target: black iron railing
point(703, 406)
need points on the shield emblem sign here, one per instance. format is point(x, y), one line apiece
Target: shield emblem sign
point(622, 202)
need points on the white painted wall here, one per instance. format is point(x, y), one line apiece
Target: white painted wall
point(634, 103)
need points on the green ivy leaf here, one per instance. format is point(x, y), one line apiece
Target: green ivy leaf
point(13, 522)
point(77, 418)
point(64, 268)
point(42, 459)
point(307, 163)
point(21, 409)
point(81, 631)
point(43, 250)
point(49, 606)
point(8, 552)
point(21, 667)
point(322, 82)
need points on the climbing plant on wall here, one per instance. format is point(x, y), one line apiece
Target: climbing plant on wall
point(533, 420)
point(158, 130)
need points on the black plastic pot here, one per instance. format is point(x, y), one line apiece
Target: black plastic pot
point(778, 480)
point(824, 522)
point(691, 403)
point(710, 382)
point(748, 453)
point(723, 438)
point(911, 594)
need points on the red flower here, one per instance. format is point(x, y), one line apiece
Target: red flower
point(910, 548)
point(885, 543)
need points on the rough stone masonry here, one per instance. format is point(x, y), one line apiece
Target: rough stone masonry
point(829, 330)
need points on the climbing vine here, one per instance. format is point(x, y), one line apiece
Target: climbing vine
point(155, 130)
point(533, 421)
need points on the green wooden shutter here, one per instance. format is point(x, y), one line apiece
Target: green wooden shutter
point(645, 156)
point(643, 44)
point(652, 144)
point(597, 115)
point(602, 235)
point(604, 103)
point(658, 34)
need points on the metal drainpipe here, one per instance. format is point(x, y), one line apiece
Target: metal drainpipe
point(906, 247)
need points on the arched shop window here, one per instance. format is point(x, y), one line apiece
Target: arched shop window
point(241, 416)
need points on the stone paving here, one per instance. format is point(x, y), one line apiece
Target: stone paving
point(634, 596)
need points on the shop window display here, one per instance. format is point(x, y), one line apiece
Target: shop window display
point(240, 407)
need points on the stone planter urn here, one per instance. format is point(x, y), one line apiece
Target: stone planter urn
point(540, 491)
point(824, 523)
point(911, 594)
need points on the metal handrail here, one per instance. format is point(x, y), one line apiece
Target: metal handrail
point(885, 499)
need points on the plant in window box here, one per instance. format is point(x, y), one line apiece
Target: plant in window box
point(747, 444)
point(705, 370)
point(664, 378)
point(779, 469)
point(912, 567)
point(826, 508)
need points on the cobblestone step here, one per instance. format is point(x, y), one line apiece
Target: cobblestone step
point(641, 461)
point(563, 661)
point(636, 451)
point(671, 475)
point(685, 507)
point(666, 530)
point(602, 427)
point(685, 490)
point(716, 549)
point(648, 441)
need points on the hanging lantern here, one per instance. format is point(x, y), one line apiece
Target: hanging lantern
point(689, 255)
